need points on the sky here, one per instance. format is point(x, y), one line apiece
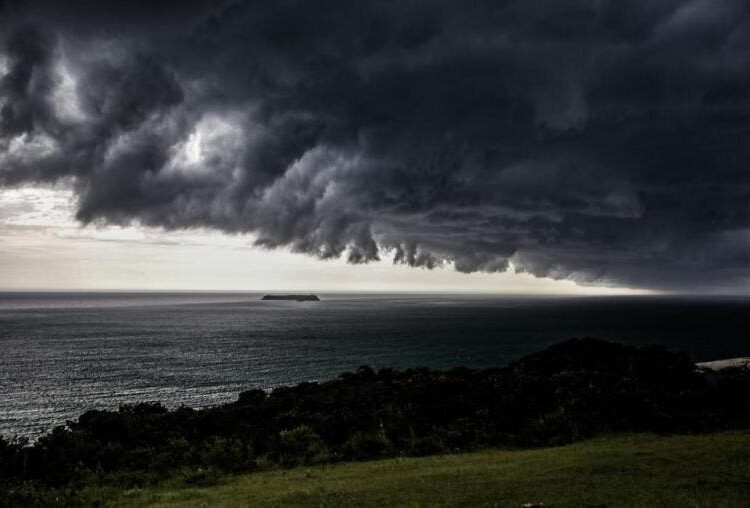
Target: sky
point(532, 146)
point(45, 249)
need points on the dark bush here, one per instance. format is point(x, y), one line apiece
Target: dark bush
point(300, 445)
point(201, 477)
point(365, 446)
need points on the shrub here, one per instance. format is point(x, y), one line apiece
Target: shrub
point(201, 477)
point(228, 454)
point(428, 445)
point(300, 445)
point(365, 445)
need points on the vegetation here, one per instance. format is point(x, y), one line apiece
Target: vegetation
point(639, 470)
point(574, 390)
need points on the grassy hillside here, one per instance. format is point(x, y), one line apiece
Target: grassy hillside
point(636, 470)
point(570, 392)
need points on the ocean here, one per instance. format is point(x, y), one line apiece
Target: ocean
point(64, 353)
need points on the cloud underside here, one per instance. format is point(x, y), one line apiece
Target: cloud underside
point(600, 141)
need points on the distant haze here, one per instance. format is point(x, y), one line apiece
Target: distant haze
point(43, 248)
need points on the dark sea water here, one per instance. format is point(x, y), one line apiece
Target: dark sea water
point(61, 354)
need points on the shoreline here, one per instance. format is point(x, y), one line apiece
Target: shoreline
point(728, 363)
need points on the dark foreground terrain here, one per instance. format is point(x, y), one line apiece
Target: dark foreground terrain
point(575, 390)
point(633, 470)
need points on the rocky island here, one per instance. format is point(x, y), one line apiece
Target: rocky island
point(296, 298)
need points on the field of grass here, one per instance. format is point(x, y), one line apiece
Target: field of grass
point(638, 470)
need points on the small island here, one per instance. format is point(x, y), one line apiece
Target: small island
point(296, 298)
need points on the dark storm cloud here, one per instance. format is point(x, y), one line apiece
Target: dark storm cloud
point(600, 141)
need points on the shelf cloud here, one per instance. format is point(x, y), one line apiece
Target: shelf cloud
point(601, 141)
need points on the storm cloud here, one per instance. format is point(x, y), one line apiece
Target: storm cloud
point(601, 141)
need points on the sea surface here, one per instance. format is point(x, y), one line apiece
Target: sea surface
point(64, 353)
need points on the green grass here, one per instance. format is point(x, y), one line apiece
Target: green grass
point(638, 470)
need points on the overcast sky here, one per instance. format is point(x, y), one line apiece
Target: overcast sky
point(44, 248)
point(305, 144)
